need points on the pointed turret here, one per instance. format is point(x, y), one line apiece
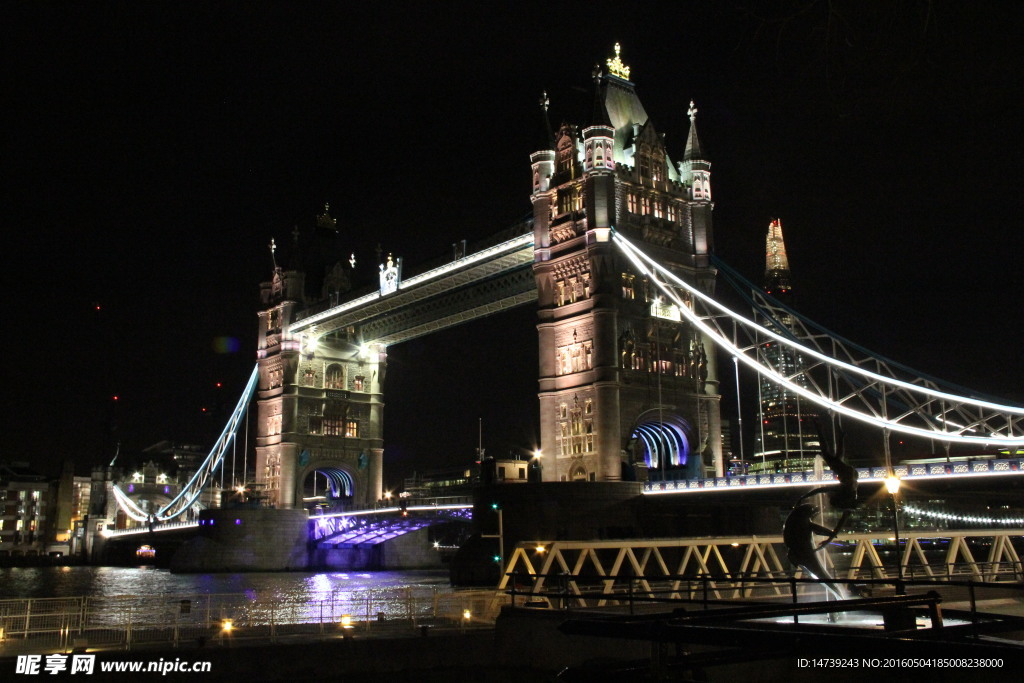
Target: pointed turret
point(693, 150)
point(599, 137)
point(543, 160)
point(695, 169)
point(542, 163)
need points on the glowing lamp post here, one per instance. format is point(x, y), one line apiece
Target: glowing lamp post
point(892, 485)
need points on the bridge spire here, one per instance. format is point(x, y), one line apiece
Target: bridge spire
point(695, 169)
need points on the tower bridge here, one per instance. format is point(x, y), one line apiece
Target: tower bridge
point(618, 259)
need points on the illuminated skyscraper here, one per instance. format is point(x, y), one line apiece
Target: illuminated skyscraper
point(787, 438)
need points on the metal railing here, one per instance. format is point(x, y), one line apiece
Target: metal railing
point(41, 625)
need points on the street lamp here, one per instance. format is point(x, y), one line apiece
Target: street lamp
point(892, 485)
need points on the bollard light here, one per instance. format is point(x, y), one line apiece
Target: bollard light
point(227, 626)
point(346, 621)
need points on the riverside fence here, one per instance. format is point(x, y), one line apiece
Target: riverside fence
point(42, 625)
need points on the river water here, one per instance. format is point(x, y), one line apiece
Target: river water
point(61, 582)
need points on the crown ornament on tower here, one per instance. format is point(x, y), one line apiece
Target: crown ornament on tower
point(616, 67)
point(325, 220)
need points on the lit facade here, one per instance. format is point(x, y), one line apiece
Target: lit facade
point(24, 498)
point(623, 380)
point(320, 403)
point(787, 437)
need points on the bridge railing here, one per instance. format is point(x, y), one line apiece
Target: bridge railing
point(44, 625)
point(668, 483)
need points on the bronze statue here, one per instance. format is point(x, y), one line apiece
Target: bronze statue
point(798, 535)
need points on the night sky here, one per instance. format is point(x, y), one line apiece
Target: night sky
point(151, 153)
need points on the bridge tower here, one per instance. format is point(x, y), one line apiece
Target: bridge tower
point(319, 403)
point(622, 378)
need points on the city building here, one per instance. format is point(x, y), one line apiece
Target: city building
point(787, 438)
point(70, 506)
point(24, 497)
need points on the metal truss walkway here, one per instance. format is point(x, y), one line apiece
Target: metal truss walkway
point(598, 573)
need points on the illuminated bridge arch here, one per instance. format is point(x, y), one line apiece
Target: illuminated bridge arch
point(665, 439)
point(340, 483)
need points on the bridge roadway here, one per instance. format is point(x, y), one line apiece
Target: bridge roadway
point(483, 283)
point(1000, 479)
point(947, 472)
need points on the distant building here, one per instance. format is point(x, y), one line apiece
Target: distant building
point(24, 495)
point(787, 436)
point(70, 506)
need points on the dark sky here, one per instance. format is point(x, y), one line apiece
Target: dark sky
point(151, 153)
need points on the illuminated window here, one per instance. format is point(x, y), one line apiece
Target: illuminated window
point(358, 383)
point(273, 425)
point(645, 205)
point(352, 429)
point(575, 357)
point(631, 202)
point(628, 286)
point(309, 377)
point(334, 378)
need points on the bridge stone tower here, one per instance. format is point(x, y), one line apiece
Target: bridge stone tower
point(319, 404)
point(622, 378)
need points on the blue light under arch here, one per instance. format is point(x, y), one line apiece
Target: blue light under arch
point(666, 441)
point(339, 481)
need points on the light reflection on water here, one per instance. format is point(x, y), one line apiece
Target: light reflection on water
point(143, 594)
point(59, 582)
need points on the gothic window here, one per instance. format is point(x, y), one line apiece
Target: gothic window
point(631, 202)
point(590, 156)
point(588, 407)
point(334, 378)
point(585, 280)
point(645, 205)
point(359, 383)
point(352, 429)
point(536, 180)
point(658, 210)
point(575, 357)
point(273, 425)
point(309, 377)
point(656, 171)
point(707, 189)
point(560, 292)
point(645, 166)
point(628, 286)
